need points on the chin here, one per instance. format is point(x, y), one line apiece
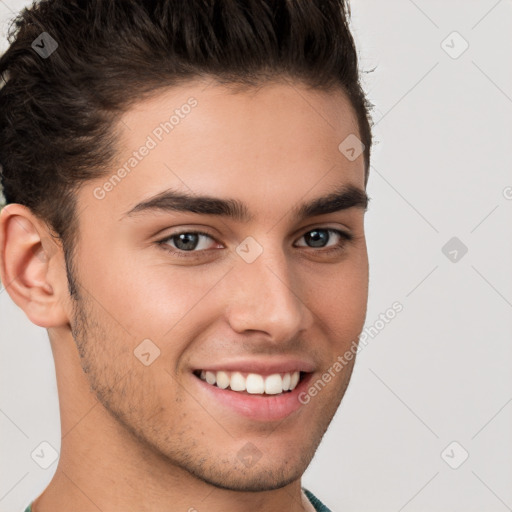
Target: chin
point(250, 480)
point(225, 468)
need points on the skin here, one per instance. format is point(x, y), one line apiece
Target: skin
point(143, 438)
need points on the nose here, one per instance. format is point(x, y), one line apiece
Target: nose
point(267, 296)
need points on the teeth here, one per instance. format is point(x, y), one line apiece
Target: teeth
point(222, 380)
point(294, 380)
point(254, 383)
point(237, 382)
point(286, 381)
point(274, 384)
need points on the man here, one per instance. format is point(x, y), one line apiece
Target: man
point(185, 187)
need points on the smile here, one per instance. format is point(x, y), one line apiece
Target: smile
point(252, 391)
point(251, 383)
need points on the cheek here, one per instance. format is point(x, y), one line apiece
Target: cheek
point(342, 302)
point(147, 299)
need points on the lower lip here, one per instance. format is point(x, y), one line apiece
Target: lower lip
point(257, 407)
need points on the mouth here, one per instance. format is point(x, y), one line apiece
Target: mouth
point(252, 383)
point(263, 397)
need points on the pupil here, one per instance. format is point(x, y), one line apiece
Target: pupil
point(317, 237)
point(187, 241)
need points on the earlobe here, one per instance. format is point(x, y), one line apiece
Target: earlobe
point(28, 260)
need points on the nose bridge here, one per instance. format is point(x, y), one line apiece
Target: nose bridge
point(264, 296)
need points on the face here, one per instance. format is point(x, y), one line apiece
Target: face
point(176, 307)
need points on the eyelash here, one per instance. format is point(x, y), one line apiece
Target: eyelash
point(339, 247)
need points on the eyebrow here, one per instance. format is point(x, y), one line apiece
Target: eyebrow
point(342, 198)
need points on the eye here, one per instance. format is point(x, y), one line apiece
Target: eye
point(319, 236)
point(190, 243)
point(186, 241)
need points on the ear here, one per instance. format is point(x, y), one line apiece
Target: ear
point(32, 267)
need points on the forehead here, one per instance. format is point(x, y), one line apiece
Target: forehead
point(272, 145)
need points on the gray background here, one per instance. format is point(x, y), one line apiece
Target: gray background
point(439, 372)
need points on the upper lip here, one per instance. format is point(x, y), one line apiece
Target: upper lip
point(261, 366)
